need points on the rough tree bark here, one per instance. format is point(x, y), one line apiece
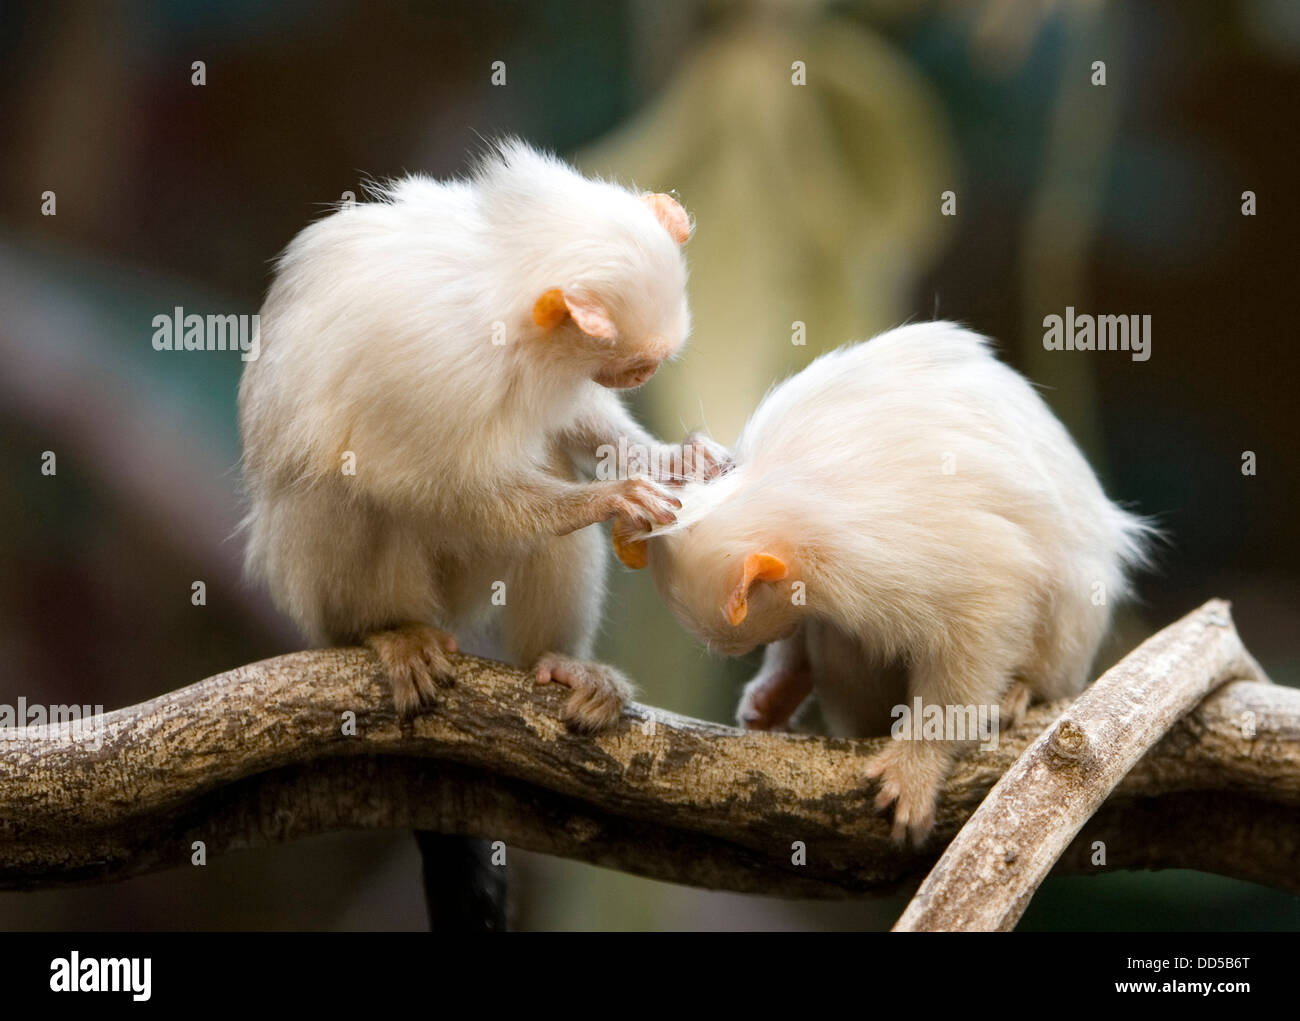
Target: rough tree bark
point(986, 876)
point(261, 755)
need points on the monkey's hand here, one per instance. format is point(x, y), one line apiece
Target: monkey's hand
point(910, 774)
point(698, 459)
point(598, 690)
point(772, 697)
point(630, 549)
point(641, 504)
point(414, 657)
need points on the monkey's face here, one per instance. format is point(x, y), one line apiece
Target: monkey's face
point(731, 600)
point(624, 310)
point(626, 374)
point(641, 347)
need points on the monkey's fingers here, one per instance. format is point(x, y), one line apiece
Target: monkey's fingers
point(708, 459)
point(415, 659)
point(644, 504)
point(598, 691)
point(906, 785)
point(590, 710)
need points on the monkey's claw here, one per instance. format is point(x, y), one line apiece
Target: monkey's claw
point(415, 659)
point(704, 459)
point(598, 691)
point(908, 782)
point(642, 504)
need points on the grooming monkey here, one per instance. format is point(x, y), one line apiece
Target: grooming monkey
point(436, 367)
point(905, 518)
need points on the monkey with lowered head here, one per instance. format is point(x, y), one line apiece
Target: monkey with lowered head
point(905, 519)
point(436, 367)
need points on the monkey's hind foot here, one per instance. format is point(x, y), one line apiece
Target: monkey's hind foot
point(414, 657)
point(1014, 704)
point(910, 774)
point(599, 691)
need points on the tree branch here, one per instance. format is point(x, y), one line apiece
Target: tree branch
point(258, 756)
point(990, 870)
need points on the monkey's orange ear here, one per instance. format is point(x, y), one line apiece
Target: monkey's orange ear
point(591, 317)
point(758, 567)
point(669, 212)
point(634, 553)
point(550, 310)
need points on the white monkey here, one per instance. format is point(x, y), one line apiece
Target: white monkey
point(434, 367)
point(905, 518)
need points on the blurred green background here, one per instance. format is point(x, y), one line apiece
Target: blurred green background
point(817, 204)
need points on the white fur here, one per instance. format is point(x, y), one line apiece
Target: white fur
point(969, 580)
point(377, 339)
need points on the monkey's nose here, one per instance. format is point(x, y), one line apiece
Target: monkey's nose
point(624, 378)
